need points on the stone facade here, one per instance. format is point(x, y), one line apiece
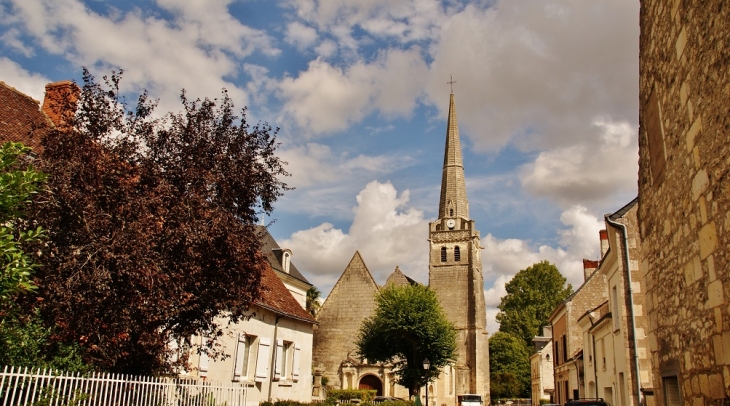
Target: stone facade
point(568, 337)
point(684, 190)
point(455, 273)
point(541, 368)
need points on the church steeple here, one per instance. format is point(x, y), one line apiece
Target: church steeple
point(453, 202)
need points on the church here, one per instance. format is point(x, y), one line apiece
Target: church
point(455, 274)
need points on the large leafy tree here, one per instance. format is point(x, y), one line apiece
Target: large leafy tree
point(509, 366)
point(532, 295)
point(151, 224)
point(18, 182)
point(407, 327)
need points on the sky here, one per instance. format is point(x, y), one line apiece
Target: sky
point(546, 96)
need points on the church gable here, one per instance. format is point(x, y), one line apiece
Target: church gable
point(398, 278)
point(351, 301)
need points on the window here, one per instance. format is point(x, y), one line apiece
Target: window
point(671, 391)
point(451, 212)
point(602, 347)
point(443, 254)
point(287, 361)
point(286, 261)
point(457, 254)
point(244, 347)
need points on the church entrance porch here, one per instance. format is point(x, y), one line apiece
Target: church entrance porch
point(371, 382)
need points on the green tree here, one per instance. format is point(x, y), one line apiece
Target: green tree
point(18, 182)
point(531, 297)
point(509, 366)
point(313, 304)
point(152, 224)
point(407, 327)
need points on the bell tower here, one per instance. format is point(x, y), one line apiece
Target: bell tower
point(455, 272)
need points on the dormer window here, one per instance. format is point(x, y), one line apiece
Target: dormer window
point(443, 254)
point(286, 260)
point(451, 212)
point(457, 254)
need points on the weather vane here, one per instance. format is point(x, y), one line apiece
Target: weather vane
point(451, 83)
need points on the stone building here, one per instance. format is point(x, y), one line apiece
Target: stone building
point(350, 302)
point(615, 354)
point(568, 343)
point(684, 194)
point(455, 274)
point(541, 368)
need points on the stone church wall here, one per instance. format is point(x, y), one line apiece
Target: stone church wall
point(684, 193)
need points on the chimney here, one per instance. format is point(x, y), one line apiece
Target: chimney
point(59, 103)
point(604, 242)
point(547, 330)
point(589, 267)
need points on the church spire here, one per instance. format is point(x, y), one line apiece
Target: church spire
point(453, 202)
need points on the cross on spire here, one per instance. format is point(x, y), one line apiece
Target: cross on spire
point(451, 83)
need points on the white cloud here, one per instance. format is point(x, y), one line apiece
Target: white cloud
point(385, 230)
point(536, 73)
point(197, 49)
point(300, 35)
point(326, 98)
point(589, 171)
point(32, 84)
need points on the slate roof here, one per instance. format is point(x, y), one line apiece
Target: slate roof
point(620, 212)
point(277, 298)
point(273, 254)
point(21, 118)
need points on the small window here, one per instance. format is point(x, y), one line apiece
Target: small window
point(443, 254)
point(457, 254)
point(671, 391)
point(243, 352)
point(451, 212)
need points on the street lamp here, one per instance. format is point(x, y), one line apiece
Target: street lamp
point(426, 366)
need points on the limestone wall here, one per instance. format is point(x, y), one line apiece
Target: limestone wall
point(684, 193)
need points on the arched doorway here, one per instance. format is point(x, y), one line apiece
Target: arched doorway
point(371, 382)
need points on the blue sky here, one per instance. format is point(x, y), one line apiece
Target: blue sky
point(546, 95)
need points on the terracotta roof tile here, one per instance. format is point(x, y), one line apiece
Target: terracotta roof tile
point(277, 298)
point(21, 118)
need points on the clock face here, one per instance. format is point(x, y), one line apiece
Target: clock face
point(450, 223)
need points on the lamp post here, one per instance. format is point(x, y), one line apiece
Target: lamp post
point(426, 366)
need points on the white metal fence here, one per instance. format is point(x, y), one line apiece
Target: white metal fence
point(27, 387)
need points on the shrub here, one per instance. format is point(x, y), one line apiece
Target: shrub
point(345, 395)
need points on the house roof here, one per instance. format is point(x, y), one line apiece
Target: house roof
point(620, 212)
point(277, 298)
point(273, 254)
point(21, 118)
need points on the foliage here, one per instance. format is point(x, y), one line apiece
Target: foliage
point(26, 342)
point(532, 295)
point(407, 327)
point(313, 304)
point(503, 385)
point(508, 355)
point(366, 395)
point(17, 184)
point(151, 224)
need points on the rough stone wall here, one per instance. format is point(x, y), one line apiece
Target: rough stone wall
point(684, 193)
point(591, 294)
point(351, 301)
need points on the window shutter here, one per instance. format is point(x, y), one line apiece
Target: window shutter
point(262, 361)
point(295, 372)
point(240, 356)
point(279, 359)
